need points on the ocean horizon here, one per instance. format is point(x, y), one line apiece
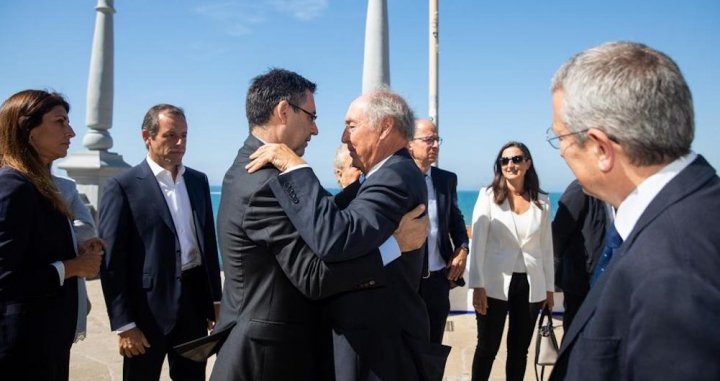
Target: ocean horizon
point(466, 201)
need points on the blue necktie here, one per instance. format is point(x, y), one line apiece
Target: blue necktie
point(612, 243)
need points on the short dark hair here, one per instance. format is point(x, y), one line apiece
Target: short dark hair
point(267, 90)
point(151, 120)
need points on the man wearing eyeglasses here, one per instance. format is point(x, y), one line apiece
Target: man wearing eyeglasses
point(447, 244)
point(623, 122)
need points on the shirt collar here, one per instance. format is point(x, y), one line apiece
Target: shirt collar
point(377, 166)
point(630, 210)
point(158, 171)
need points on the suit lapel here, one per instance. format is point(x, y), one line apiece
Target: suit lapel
point(149, 183)
point(686, 182)
point(197, 206)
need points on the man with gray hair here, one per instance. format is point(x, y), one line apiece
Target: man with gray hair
point(379, 333)
point(623, 122)
point(345, 173)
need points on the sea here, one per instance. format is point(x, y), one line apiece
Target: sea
point(466, 201)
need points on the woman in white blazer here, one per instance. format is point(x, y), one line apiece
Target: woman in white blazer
point(511, 266)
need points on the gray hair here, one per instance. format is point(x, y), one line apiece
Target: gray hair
point(341, 154)
point(152, 117)
point(633, 93)
point(383, 103)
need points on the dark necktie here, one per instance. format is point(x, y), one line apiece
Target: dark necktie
point(612, 243)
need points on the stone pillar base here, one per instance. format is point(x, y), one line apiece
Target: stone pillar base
point(91, 169)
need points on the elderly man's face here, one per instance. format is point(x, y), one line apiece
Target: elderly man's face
point(577, 157)
point(360, 137)
point(425, 146)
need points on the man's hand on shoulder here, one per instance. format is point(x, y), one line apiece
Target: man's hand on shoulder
point(279, 155)
point(412, 230)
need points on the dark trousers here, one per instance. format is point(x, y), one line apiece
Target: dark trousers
point(571, 304)
point(191, 323)
point(522, 316)
point(435, 291)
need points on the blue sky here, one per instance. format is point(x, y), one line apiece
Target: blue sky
point(496, 61)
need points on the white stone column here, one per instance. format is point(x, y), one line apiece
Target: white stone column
point(376, 64)
point(92, 168)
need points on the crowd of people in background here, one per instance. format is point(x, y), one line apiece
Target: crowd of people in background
point(356, 285)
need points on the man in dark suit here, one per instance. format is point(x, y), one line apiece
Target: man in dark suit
point(623, 121)
point(379, 333)
point(578, 235)
point(160, 276)
point(447, 245)
point(270, 325)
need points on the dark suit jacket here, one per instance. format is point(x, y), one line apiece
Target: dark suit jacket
point(37, 315)
point(578, 237)
point(387, 327)
point(653, 314)
point(452, 232)
point(269, 319)
point(141, 270)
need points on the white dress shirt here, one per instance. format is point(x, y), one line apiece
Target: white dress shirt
point(178, 202)
point(636, 202)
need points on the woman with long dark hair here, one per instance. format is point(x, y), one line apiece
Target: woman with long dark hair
point(39, 265)
point(511, 267)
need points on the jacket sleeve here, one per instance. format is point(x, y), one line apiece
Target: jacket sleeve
point(480, 230)
point(115, 227)
point(336, 234)
point(16, 233)
point(266, 223)
point(212, 262)
point(457, 229)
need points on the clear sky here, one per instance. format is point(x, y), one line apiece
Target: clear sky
point(496, 61)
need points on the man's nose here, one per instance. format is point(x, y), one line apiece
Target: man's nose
point(345, 136)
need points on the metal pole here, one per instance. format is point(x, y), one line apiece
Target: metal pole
point(434, 42)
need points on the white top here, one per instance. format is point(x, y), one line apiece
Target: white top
point(523, 224)
point(177, 199)
point(495, 245)
point(634, 204)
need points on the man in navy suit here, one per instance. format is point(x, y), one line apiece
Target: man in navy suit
point(623, 122)
point(160, 276)
point(447, 245)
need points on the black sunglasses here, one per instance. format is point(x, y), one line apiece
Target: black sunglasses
point(515, 159)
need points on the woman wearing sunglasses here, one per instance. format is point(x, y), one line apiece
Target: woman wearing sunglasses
point(511, 266)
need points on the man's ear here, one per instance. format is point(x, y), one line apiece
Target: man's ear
point(281, 110)
point(604, 149)
point(386, 127)
point(145, 136)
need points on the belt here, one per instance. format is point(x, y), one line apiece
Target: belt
point(436, 272)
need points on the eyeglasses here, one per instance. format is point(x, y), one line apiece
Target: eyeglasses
point(312, 115)
point(515, 159)
point(430, 140)
point(554, 141)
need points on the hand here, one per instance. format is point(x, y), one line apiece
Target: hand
point(456, 267)
point(91, 246)
point(279, 155)
point(412, 231)
point(480, 300)
point(133, 343)
point(211, 323)
point(87, 264)
point(549, 302)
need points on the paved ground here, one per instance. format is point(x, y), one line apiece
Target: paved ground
point(96, 358)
